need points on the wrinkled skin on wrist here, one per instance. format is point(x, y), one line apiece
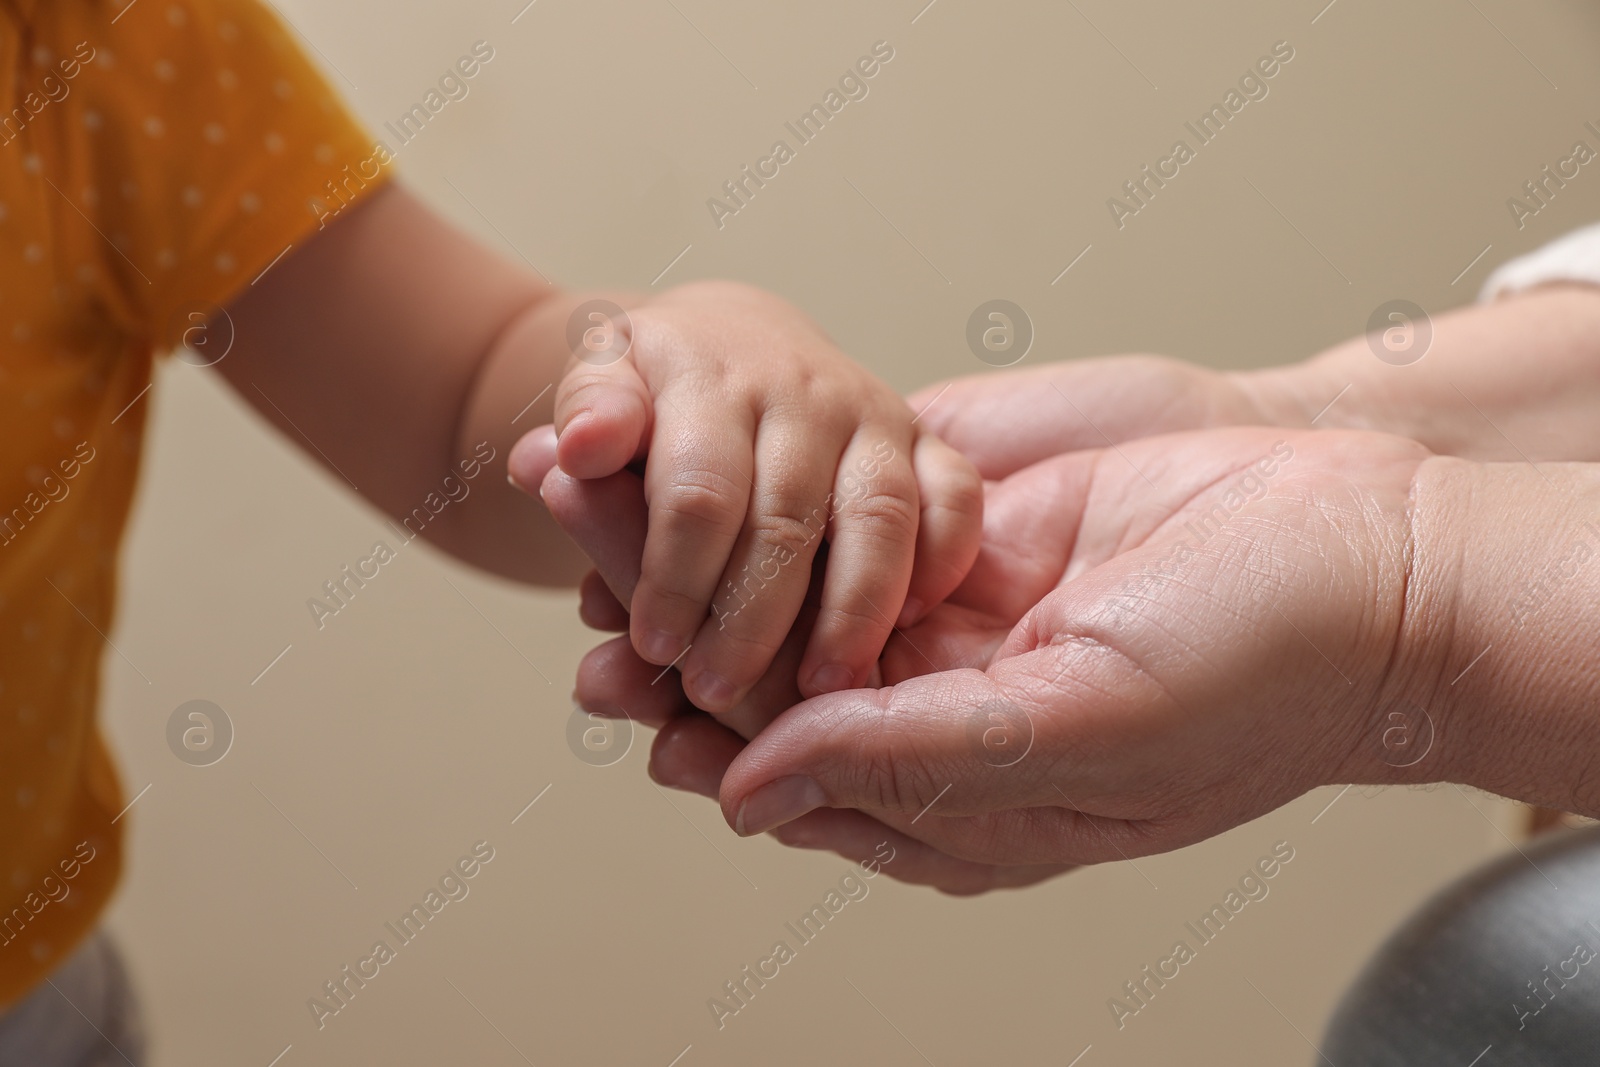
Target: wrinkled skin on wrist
point(1511, 556)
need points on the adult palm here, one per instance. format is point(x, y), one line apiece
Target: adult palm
point(1158, 641)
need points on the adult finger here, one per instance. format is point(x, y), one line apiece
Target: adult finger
point(1006, 420)
point(694, 751)
point(961, 740)
point(598, 607)
point(613, 681)
point(859, 837)
point(607, 519)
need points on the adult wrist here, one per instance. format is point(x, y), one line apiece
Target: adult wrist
point(1301, 395)
point(1519, 378)
point(1503, 601)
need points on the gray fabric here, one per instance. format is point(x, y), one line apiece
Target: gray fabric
point(1507, 957)
point(84, 1015)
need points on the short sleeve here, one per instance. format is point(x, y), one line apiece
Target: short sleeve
point(1573, 258)
point(212, 147)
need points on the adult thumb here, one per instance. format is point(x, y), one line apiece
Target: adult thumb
point(960, 740)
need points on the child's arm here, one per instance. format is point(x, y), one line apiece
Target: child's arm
point(393, 348)
point(390, 347)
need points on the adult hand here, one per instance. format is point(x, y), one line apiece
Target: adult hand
point(1452, 387)
point(1223, 622)
point(1229, 621)
point(607, 517)
point(1124, 553)
point(1006, 420)
point(1225, 636)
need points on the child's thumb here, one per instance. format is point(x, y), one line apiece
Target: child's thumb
point(602, 419)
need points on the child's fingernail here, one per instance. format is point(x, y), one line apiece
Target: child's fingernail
point(530, 458)
point(776, 803)
point(910, 612)
point(831, 678)
point(518, 486)
point(660, 647)
point(715, 692)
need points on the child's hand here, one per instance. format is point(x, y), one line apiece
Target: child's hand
point(762, 442)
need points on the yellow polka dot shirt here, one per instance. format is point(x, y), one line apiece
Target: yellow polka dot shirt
point(155, 157)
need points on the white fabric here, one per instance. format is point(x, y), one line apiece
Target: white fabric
point(1573, 258)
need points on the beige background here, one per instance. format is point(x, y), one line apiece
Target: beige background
point(412, 727)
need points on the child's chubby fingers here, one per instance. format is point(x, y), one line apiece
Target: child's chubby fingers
point(871, 548)
point(603, 417)
point(615, 676)
point(760, 593)
point(698, 485)
point(950, 529)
